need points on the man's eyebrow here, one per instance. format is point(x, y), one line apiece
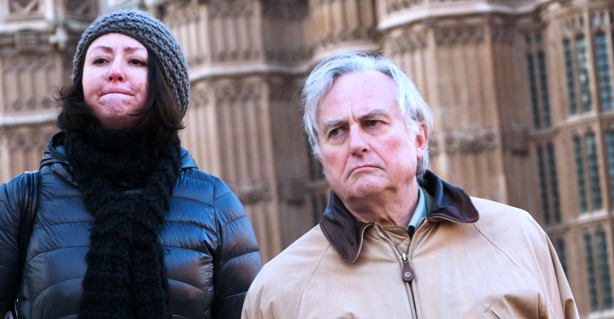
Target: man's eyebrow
point(374, 113)
point(328, 124)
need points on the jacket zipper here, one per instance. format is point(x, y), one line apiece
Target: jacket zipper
point(408, 276)
point(405, 257)
point(407, 272)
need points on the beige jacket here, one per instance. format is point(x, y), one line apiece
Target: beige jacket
point(500, 266)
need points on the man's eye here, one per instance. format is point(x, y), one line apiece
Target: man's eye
point(372, 122)
point(334, 132)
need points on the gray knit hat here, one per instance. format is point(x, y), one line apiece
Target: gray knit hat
point(150, 32)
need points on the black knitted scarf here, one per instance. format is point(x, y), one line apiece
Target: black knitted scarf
point(126, 185)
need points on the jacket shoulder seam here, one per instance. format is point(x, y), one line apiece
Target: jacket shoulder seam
point(310, 277)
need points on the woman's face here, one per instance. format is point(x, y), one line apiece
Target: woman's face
point(115, 79)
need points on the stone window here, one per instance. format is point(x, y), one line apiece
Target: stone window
point(571, 79)
point(543, 184)
point(538, 81)
point(554, 183)
point(562, 253)
point(590, 272)
point(604, 76)
point(579, 159)
point(604, 270)
point(548, 182)
point(593, 170)
point(598, 266)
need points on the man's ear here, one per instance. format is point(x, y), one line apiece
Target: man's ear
point(421, 138)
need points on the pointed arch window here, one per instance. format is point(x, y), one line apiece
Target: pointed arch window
point(570, 77)
point(538, 81)
point(604, 76)
point(548, 183)
point(579, 159)
point(562, 253)
point(604, 270)
point(590, 272)
point(598, 270)
point(577, 74)
point(593, 170)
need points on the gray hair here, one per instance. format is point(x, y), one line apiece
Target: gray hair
point(412, 106)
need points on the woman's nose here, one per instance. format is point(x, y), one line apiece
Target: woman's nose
point(116, 72)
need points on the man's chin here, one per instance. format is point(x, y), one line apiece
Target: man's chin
point(364, 191)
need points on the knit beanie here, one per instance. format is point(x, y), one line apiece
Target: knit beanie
point(150, 32)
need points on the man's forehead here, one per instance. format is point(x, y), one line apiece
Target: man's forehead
point(366, 110)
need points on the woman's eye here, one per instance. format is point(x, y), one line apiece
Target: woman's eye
point(137, 62)
point(99, 61)
point(334, 132)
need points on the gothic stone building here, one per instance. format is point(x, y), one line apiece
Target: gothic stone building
point(522, 92)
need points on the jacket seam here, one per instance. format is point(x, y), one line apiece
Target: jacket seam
point(506, 255)
point(315, 268)
point(233, 295)
point(32, 298)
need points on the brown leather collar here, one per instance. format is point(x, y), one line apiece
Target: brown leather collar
point(345, 232)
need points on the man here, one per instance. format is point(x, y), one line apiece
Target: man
point(395, 240)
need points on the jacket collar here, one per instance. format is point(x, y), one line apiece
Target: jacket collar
point(345, 232)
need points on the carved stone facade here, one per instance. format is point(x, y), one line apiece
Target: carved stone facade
point(521, 91)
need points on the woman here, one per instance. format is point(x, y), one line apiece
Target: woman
point(126, 225)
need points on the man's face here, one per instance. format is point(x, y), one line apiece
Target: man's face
point(368, 153)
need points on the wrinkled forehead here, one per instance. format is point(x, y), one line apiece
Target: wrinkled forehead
point(361, 91)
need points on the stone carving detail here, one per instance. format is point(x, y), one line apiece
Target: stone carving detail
point(81, 7)
point(24, 6)
point(19, 92)
point(602, 19)
point(24, 146)
point(502, 34)
point(459, 35)
point(199, 98)
point(26, 139)
point(183, 16)
point(470, 141)
point(409, 41)
point(398, 5)
point(232, 34)
point(283, 10)
point(284, 25)
point(251, 191)
point(511, 3)
point(236, 8)
point(25, 41)
point(572, 25)
point(237, 103)
point(238, 92)
point(516, 137)
point(189, 17)
point(288, 56)
point(338, 21)
point(292, 190)
point(280, 92)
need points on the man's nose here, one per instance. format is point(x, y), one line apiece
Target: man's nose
point(116, 72)
point(358, 141)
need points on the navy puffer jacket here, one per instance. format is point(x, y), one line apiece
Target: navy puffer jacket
point(210, 248)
